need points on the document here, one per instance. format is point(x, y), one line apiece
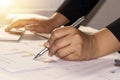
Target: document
point(13, 59)
point(111, 74)
point(18, 58)
point(73, 70)
point(5, 36)
point(7, 77)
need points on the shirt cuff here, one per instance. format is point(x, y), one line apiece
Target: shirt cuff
point(115, 28)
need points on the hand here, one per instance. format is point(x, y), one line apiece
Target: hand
point(37, 25)
point(40, 25)
point(70, 43)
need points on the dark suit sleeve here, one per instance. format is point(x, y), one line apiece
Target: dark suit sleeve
point(74, 9)
point(115, 28)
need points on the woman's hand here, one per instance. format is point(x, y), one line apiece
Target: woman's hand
point(70, 43)
point(45, 25)
point(37, 25)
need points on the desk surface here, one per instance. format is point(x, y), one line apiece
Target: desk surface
point(62, 70)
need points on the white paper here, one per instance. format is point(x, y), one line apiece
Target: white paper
point(18, 57)
point(111, 74)
point(5, 36)
point(71, 70)
point(13, 59)
point(88, 30)
point(7, 77)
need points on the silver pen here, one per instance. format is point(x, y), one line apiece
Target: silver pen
point(75, 24)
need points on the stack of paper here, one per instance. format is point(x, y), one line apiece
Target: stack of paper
point(5, 36)
point(7, 77)
point(111, 74)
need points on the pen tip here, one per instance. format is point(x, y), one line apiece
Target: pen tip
point(34, 58)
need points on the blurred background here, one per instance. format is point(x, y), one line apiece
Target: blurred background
point(105, 12)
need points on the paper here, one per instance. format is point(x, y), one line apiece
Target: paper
point(5, 36)
point(19, 58)
point(45, 35)
point(111, 74)
point(15, 59)
point(72, 70)
point(7, 77)
point(88, 30)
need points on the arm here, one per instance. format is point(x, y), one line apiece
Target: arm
point(107, 42)
point(115, 28)
point(39, 24)
point(80, 46)
point(69, 11)
point(74, 9)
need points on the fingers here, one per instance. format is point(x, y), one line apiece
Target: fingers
point(16, 24)
point(59, 44)
point(69, 53)
point(19, 24)
point(73, 57)
point(47, 44)
point(60, 38)
point(61, 32)
point(68, 44)
point(64, 52)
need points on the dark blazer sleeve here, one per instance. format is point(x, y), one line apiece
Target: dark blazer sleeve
point(115, 28)
point(74, 9)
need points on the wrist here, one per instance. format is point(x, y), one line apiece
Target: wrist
point(57, 20)
point(94, 52)
point(106, 42)
point(95, 47)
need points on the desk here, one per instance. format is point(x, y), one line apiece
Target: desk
point(63, 70)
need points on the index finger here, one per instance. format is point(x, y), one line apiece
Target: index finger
point(17, 24)
point(61, 32)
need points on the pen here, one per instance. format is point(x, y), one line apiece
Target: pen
point(75, 24)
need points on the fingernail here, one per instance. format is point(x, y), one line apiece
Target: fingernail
point(47, 44)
